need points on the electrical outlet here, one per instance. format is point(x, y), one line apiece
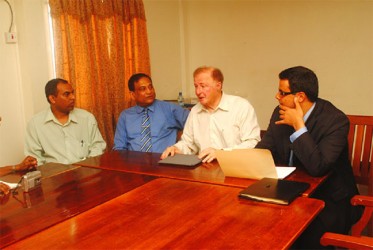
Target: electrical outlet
point(10, 37)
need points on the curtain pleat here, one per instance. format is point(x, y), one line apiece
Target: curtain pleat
point(98, 45)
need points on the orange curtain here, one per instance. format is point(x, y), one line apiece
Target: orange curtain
point(99, 44)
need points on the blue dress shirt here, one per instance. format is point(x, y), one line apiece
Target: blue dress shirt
point(166, 120)
point(300, 132)
point(303, 130)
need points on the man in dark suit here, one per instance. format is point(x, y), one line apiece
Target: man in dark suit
point(311, 133)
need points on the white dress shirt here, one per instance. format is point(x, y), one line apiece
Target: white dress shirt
point(233, 124)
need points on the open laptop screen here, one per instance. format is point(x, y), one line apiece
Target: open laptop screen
point(250, 163)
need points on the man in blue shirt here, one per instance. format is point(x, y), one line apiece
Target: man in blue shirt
point(165, 119)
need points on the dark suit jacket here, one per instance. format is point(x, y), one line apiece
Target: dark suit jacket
point(322, 150)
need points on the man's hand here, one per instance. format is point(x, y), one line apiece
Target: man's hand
point(170, 151)
point(4, 193)
point(207, 155)
point(292, 116)
point(28, 163)
point(4, 188)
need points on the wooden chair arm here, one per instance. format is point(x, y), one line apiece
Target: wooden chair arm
point(356, 241)
point(362, 200)
point(367, 202)
point(347, 241)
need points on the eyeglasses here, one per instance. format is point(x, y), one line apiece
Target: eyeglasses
point(283, 93)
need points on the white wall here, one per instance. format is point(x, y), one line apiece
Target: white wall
point(35, 53)
point(251, 41)
point(165, 33)
point(11, 108)
point(24, 70)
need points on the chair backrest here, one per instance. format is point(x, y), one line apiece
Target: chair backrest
point(360, 144)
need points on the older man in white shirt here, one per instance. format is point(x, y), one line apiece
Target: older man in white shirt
point(218, 121)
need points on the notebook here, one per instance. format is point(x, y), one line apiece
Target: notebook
point(276, 191)
point(181, 159)
point(250, 163)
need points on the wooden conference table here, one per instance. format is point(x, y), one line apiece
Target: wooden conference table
point(61, 195)
point(92, 207)
point(147, 163)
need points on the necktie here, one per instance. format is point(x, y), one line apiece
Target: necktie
point(146, 143)
point(291, 158)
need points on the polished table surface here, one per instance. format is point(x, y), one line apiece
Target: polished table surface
point(65, 191)
point(47, 170)
point(147, 163)
point(175, 214)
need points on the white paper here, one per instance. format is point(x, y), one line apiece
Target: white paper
point(11, 185)
point(282, 172)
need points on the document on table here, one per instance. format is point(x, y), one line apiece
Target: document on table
point(11, 185)
point(282, 172)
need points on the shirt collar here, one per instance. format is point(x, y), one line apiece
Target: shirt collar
point(140, 109)
point(305, 117)
point(50, 117)
point(223, 104)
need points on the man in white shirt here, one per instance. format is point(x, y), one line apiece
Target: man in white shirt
point(62, 133)
point(218, 121)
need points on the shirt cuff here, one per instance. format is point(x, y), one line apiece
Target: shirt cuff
point(298, 133)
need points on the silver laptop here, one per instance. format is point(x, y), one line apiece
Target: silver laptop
point(250, 163)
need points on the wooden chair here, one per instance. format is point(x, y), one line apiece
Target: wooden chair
point(355, 240)
point(360, 150)
point(360, 144)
